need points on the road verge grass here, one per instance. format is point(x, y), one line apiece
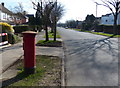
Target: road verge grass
point(51, 35)
point(50, 43)
point(48, 71)
point(98, 33)
point(76, 29)
point(104, 34)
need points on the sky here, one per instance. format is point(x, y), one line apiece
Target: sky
point(74, 9)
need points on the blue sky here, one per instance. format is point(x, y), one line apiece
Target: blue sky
point(74, 9)
point(26, 4)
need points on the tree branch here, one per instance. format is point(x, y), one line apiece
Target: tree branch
point(112, 3)
point(106, 4)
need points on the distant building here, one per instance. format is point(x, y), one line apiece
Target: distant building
point(10, 17)
point(98, 19)
point(108, 19)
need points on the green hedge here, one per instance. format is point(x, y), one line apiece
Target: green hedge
point(99, 28)
point(21, 28)
point(107, 29)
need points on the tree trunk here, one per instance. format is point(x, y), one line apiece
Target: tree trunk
point(115, 25)
point(55, 33)
point(46, 33)
point(55, 30)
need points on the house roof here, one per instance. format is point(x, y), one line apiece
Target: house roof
point(19, 15)
point(5, 10)
point(30, 15)
point(106, 15)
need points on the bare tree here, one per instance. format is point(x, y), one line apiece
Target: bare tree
point(114, 6)
point(56, 14)
point(46, 18)
point(19, 9)
point(49, 15)
point(43, 11)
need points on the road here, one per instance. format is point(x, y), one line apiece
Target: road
point(91, 60)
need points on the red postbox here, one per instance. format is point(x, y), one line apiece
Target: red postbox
point(29, 52)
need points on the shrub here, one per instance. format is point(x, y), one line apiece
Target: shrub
point(6, 28)
point(21, 28)
point(11, 38)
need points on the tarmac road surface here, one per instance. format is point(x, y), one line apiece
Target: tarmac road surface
point(91, 60)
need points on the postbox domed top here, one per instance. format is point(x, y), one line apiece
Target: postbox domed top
point(29, 32)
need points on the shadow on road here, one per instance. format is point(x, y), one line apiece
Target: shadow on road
point(89, 47)
point(97, 59)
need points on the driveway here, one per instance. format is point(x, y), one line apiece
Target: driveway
point(91, 60)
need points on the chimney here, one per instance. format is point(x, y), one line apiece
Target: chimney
point(2, 4)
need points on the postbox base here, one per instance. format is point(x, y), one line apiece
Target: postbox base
point(29, 70)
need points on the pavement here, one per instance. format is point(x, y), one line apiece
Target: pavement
point(9, 55)
point(91, 60)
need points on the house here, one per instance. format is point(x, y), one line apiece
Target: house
point(10, 17)
point(108, 19)
point(5, 14)
point(20, 19)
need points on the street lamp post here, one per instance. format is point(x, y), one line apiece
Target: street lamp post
point(96, 9)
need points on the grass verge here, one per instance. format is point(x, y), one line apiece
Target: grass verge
point(48, 70)
point(76, 29)
point(104, 34)
point(99, 33)
point(49, 43)
point(51, 35)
